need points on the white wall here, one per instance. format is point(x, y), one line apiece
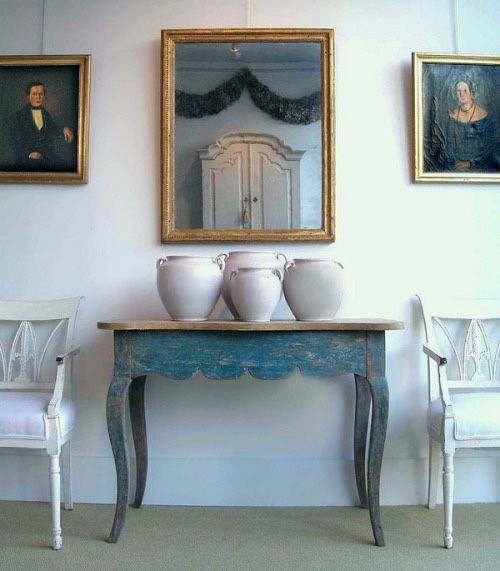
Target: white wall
point(249, 442)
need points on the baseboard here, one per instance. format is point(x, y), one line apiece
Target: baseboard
point(237, 481)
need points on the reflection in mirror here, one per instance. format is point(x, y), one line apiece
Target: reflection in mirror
point(246, 156)
point(252, 180)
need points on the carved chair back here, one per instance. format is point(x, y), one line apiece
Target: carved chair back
point(32, 334)
point(467, 333)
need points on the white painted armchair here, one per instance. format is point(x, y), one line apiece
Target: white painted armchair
point(463, 351)
point(36, 411)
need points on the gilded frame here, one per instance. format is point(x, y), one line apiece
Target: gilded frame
point(456, 141)
point(66, 84)
point(325, 37)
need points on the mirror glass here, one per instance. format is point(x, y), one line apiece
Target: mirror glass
point(246, 135)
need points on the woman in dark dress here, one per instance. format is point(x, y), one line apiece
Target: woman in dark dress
point(471, 135)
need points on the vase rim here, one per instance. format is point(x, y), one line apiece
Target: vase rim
point(191, 258)
point(260, 269)
point(252, 252)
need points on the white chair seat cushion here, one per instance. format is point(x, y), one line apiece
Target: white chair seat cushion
point(477, 416)
point(22, 414)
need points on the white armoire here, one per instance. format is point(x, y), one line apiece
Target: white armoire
point(250, 180)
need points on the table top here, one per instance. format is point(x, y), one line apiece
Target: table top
point(235, 325)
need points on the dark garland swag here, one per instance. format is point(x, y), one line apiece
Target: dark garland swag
point(300, 111)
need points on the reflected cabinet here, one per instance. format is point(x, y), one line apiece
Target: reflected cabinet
point(247, 135)
point(250, 181)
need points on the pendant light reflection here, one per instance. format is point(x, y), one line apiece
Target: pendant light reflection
point(235, 50)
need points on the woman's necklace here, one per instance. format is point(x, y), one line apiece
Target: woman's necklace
point(465, 111)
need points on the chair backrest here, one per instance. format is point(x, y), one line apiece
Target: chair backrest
point(32, 334)
point(467, 333)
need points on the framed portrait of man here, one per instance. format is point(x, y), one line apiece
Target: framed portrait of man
point(457, 118)
point(44, 115)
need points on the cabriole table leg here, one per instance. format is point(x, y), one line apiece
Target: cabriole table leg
point(115, 414)
point(138, 421)
point(363, 403)
point(380, 410)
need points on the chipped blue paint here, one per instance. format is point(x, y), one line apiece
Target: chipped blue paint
point(231, 354)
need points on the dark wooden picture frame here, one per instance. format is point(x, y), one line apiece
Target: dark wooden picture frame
point(44, 116)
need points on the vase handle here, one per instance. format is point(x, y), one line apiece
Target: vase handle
point(160, 262)
point(281, 255)
point(220, 260)
point(289, 265)
point(233, 273)
point(278, 273)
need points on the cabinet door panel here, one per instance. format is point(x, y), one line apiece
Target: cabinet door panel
point(275, 189)
point(225, 184)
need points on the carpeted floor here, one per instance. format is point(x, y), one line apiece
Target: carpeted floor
point(260, 539)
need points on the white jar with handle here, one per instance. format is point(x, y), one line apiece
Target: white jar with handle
point(247, 259)
point(255, 292)
point(313, 288)
point(189, 286)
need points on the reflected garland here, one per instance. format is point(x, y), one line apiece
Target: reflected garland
point(300, 111)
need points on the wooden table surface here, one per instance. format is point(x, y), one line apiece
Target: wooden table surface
point(234, 325)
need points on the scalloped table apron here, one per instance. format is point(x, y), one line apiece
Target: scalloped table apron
point(229, 349)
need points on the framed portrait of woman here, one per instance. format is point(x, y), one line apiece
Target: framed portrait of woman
point(457, 118)
point(44, 109)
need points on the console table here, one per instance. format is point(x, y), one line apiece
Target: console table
point(229, 349)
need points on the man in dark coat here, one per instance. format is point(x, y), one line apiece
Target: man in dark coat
point(33, 133)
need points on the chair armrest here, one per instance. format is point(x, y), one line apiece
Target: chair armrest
point(441, 362)
point(69, 353)
point(62, 360)
point(433, 353)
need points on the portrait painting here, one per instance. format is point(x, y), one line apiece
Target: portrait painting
point(457, 118)
point(44, 106)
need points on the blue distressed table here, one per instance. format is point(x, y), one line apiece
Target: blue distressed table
point(229, 349)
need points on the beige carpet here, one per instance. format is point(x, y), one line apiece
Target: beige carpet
point(192, 538)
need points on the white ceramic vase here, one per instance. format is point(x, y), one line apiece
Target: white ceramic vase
point(255, 292)
point(189, 286)
point(247, 259)
point(313, 288)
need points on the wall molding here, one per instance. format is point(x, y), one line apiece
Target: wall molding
point(249, 481)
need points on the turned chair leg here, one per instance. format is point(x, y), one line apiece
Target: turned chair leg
point(66, 475)
point(434, 459)
point(55, 500)
point(448, 482)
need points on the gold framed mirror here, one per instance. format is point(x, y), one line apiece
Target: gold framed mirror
point(247, 135)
